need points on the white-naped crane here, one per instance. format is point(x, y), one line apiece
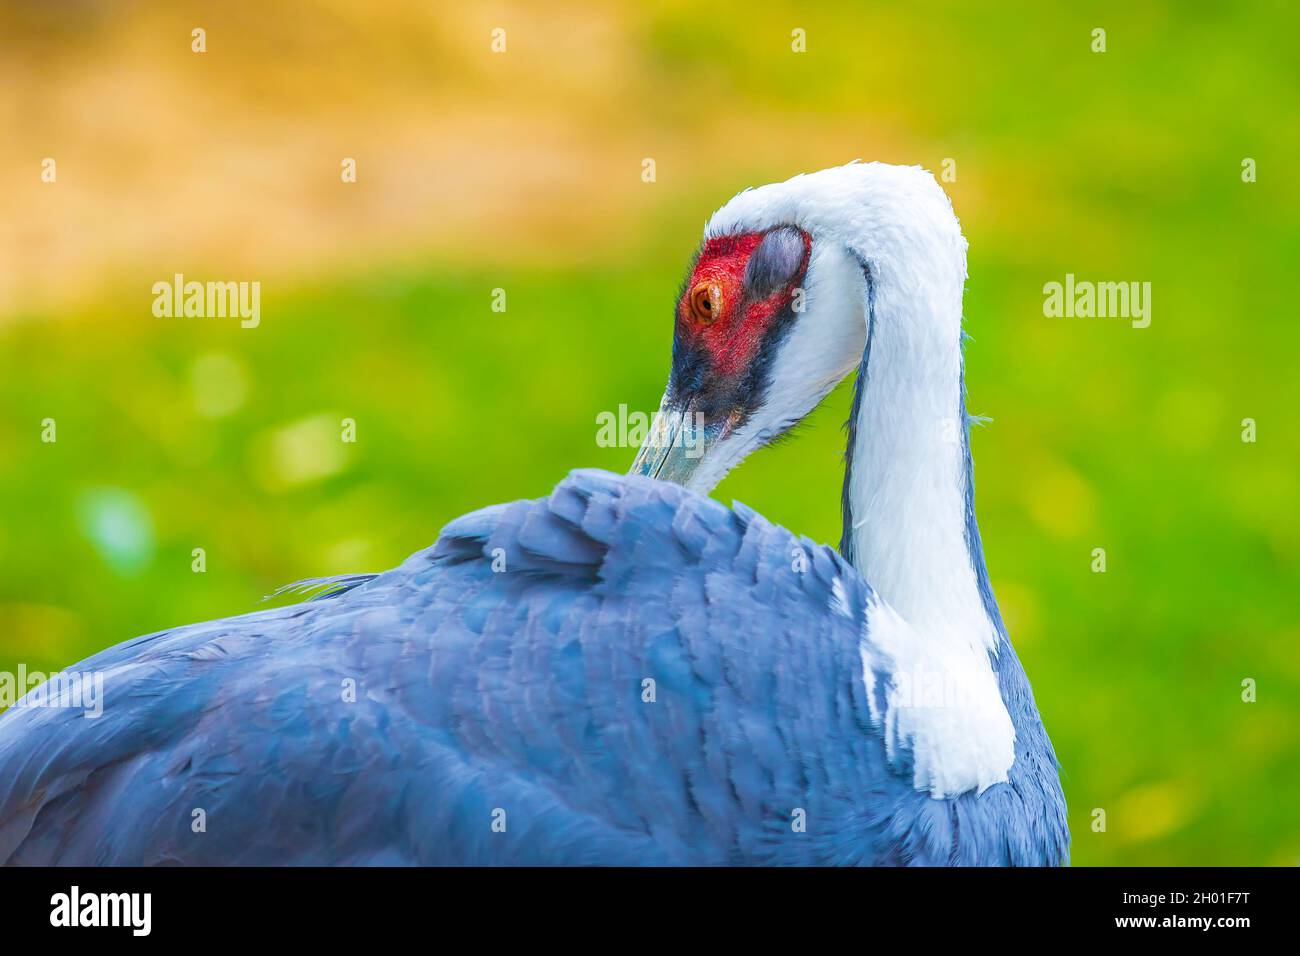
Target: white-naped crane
point(654, 678)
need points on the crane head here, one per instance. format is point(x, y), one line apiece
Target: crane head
point(767, 322)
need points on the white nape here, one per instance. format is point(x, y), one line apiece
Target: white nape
point(908, 484)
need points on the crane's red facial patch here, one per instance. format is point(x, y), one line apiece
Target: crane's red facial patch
point(718, 313)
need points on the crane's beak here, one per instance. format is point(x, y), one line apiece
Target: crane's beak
point(677, 444)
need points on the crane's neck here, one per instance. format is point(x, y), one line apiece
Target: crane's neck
point(909, 527)
point(909, 522)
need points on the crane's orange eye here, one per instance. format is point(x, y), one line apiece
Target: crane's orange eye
point(706, 301)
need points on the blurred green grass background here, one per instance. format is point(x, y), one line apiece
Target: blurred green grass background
point(523, 173)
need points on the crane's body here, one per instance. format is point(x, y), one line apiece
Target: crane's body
point(626, 672)
point(444, 712)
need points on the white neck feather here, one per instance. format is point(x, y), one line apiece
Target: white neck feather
point(907, 486)
point(907, 490)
